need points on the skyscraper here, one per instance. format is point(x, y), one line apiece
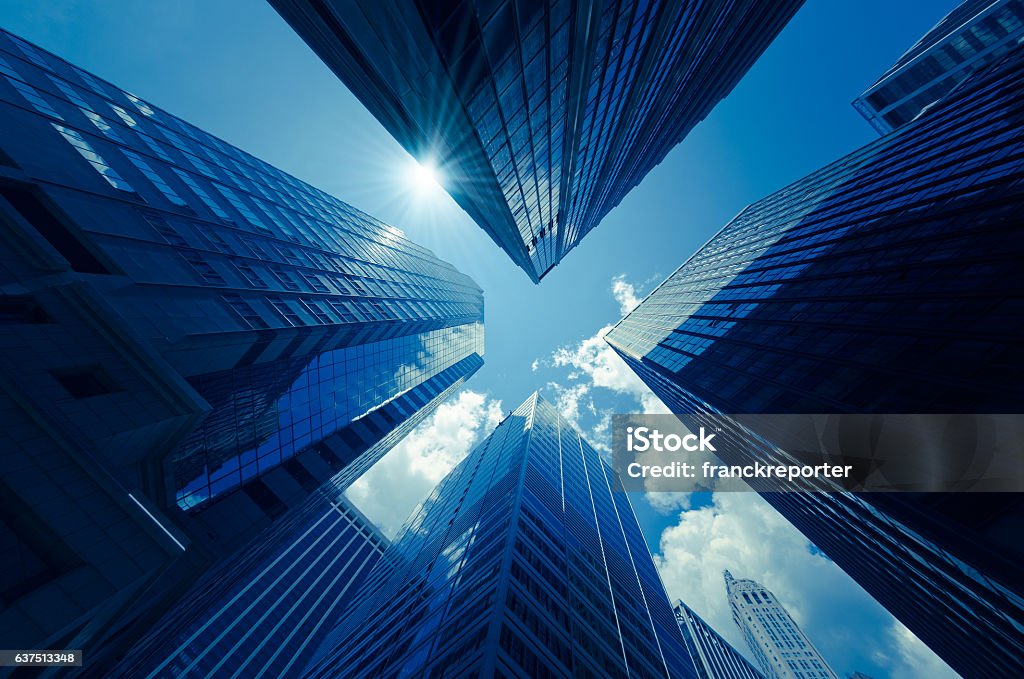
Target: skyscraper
point(714, 657)
point(541, 116)
point(194, 341)
point(976, 33)
point(781, 647)
point(887, 282)
point(264, 610)
point(522, 562)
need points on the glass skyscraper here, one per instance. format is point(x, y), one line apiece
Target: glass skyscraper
point(540, 116)
point(714, 657)
point(263, 612)
point(781, 647)
point(194, 341)
point(523, 562)
point(886, 282)
point(975, 33)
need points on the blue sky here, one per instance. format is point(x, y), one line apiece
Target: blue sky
point(235, 69)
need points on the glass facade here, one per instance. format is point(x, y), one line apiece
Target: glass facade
point(195, 340)
point(714, 656)
point(523, 562)
point(249, 433)
point(886, 282)
point(541, 116)
point(780, 646)
point(975, 33)
point(264, 611)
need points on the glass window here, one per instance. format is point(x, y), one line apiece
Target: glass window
point(35, 98)
point(155, 178)
point(91, 82)
point(75, 139)
point(30, 51)
point(203, 195)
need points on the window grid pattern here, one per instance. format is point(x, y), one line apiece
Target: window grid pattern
point(780, 646)
point(221, 244)
point(524, 542)
point(565, 107)
point(266, 609)
point(712, 654)
point(975, 33)
point(850, 278)
point(361, 255)
point(268, 413)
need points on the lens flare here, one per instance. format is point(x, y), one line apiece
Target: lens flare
point(424, 178)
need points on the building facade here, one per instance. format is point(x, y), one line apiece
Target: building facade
point(540, 116)
point(975, 33)
point(263, 611)
point(883, 283)
point(714, 657)
point(194, 341)
point(780, 646)
point(523, 562)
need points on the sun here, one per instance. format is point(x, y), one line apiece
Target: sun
point(424, 178)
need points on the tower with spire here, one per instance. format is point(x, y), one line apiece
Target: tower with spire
point(781, 648)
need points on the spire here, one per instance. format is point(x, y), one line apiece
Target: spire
point(728, 580)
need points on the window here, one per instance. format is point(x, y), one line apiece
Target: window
point(343, 309)
point(71, 93)
point(215, 239)
point(103, 126)
point(33, 97)
point(30, 51)
point(248, 315)
point(96, 160)
point(123, 115)
point(286, 311)
point(248, 273)
point(165, 230)
point(92, 83)
point(203, 268)
point(152, 176)
point(284, 277)
point(314, 281)
point(203, 195)
point(86, 381)
point(244, 209)
point(317, 310)
point(155, 147)
point(143, 107)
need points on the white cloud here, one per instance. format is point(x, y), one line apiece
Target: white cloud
point(535, 365)
point(915, 659)
point(391, 489)
point(594, 364)
point(569, 400)
point(625, 294)
point(741, 532)
point(668, 502)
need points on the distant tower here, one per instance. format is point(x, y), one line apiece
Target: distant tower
point(975, 33)
point(525, 561)
point(714, 657)
point(778, 643)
